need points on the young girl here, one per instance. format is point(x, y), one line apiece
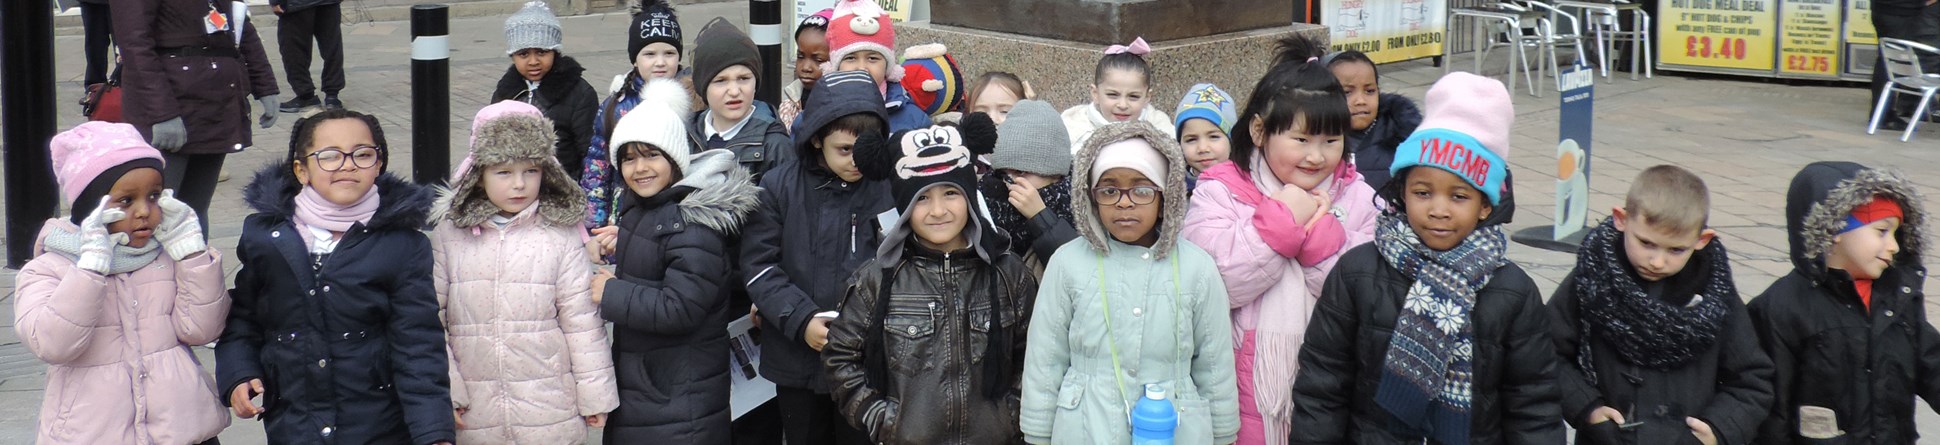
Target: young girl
point(529, 362)
point(1121, 91)
point(1429, 334)
point(884, 361)
point(1205, 118)
point(1129, 305)
point(995, 93)
point(863, 37)
point(811, 51)
point(1276, 219)
point(669, 301)
point(1030, 195)
point(113, 317)
point(653, 45)
point(1381, 120)
point(335, 321)
point(543, 76)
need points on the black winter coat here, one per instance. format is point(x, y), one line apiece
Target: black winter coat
point(935, 331)
point(1515, 394)
point(799, 252)
point(353, 354)
point(669, 307)
point(760, 146)
point(1863, 362)
point(290, 6)
point(566, 98)
point(1728, 386)
point(1374, 147)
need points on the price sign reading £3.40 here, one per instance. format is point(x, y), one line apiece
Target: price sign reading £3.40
point(1716, 35)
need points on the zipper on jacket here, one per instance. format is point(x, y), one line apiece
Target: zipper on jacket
point(852, 224)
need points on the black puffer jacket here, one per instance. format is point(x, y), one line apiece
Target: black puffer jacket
point(1728, 385)
point(353, 354)
point(800, 250)
point(936, 327)
point(566, 98)
point(669, 306)
point(760, 146)
point(1864, 363)
point(1374, 147)
point(1515, 395)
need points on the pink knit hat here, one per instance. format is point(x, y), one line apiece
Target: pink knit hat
point(861, 25)
point(1464, 129)
point(493, 111)
point(90, 149)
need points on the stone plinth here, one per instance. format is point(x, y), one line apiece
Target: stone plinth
point(1061, 70)
point(1113, 21)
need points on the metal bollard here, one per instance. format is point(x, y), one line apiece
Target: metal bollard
point(764, 27)
point(27, 98)
point(430, 93)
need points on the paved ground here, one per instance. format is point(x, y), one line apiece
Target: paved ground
point(1745, 137)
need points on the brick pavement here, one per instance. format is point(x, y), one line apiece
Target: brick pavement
point(1745, 137)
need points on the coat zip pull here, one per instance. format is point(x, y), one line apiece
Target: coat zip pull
point(852, 224)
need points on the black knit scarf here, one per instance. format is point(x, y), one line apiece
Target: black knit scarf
point(996, 355)
point(1057, 200)
point(1645, 330)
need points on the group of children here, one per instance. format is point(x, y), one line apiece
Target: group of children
point(1322, 263)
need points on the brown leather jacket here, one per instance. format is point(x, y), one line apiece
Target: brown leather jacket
point(936, 328)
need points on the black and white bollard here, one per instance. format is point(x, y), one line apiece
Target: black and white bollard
point(764, 27)
point(27, 107)
point(430, 93)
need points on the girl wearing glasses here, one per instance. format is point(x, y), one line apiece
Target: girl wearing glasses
point(1129, 304)
point(1276, 219)
point(334, 323)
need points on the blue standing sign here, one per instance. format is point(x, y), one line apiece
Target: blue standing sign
point(1576, 118)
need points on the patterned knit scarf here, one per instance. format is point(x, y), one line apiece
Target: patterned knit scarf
point(1425, 382)
point(1057, 200)
point(1645, 330)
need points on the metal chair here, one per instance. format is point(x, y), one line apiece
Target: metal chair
point(1904, 76)
point(1604, 19)
point(1504, 26)
point(1556, 34)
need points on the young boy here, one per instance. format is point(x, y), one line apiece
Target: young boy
point(1654, 342)
point(1847, 329)
point(545, 77)
point(861, 37)
point(726, 66)
point(1205, 119)
point(818, 222)
point(885, 365)
point(299, 22)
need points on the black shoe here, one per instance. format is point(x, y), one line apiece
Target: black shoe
point(299, 103)
point(1893, 125)
point(331, 103)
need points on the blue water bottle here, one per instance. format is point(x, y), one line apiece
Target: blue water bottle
point(1153, 419)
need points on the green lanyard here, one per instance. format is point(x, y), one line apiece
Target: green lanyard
point(1111, 343)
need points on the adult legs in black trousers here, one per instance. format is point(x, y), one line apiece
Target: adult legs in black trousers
point(193, 177)
point(1896, 26)
point(99, 41)
point(295, 31)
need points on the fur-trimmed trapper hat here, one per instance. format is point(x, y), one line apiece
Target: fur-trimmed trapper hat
point(504, 132)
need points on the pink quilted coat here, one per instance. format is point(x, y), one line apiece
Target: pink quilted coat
point(120, 370)
point(528, 347)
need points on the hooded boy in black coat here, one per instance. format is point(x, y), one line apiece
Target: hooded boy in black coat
point(1847, 329)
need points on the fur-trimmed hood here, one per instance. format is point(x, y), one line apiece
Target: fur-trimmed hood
point(508, 138)
point(1821, 196)
point(722, 193)
point(401, 205)
point(1171, 218)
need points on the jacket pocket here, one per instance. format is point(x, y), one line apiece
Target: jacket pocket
point(1195, 420)
point(909, 323)
point(634, 376)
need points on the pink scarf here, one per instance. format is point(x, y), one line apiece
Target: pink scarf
point(315, 211)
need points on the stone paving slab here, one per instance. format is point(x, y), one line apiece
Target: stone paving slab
point(1746, 137)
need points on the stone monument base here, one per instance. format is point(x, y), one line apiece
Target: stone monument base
point(1061, 71)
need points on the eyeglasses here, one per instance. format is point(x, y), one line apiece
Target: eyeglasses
point(364, 156)
point(1110, 196)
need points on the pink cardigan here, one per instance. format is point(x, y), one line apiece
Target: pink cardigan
point(119, 367)
point(1274, 266)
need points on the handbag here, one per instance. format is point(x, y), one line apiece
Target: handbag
point(103, 100)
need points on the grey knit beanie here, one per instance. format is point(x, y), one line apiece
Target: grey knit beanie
point(533, 26)
point(1032, 139)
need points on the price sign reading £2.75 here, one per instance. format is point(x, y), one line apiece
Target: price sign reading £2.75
point(1723, 36)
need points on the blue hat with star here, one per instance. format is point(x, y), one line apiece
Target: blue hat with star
point(1207, 101)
